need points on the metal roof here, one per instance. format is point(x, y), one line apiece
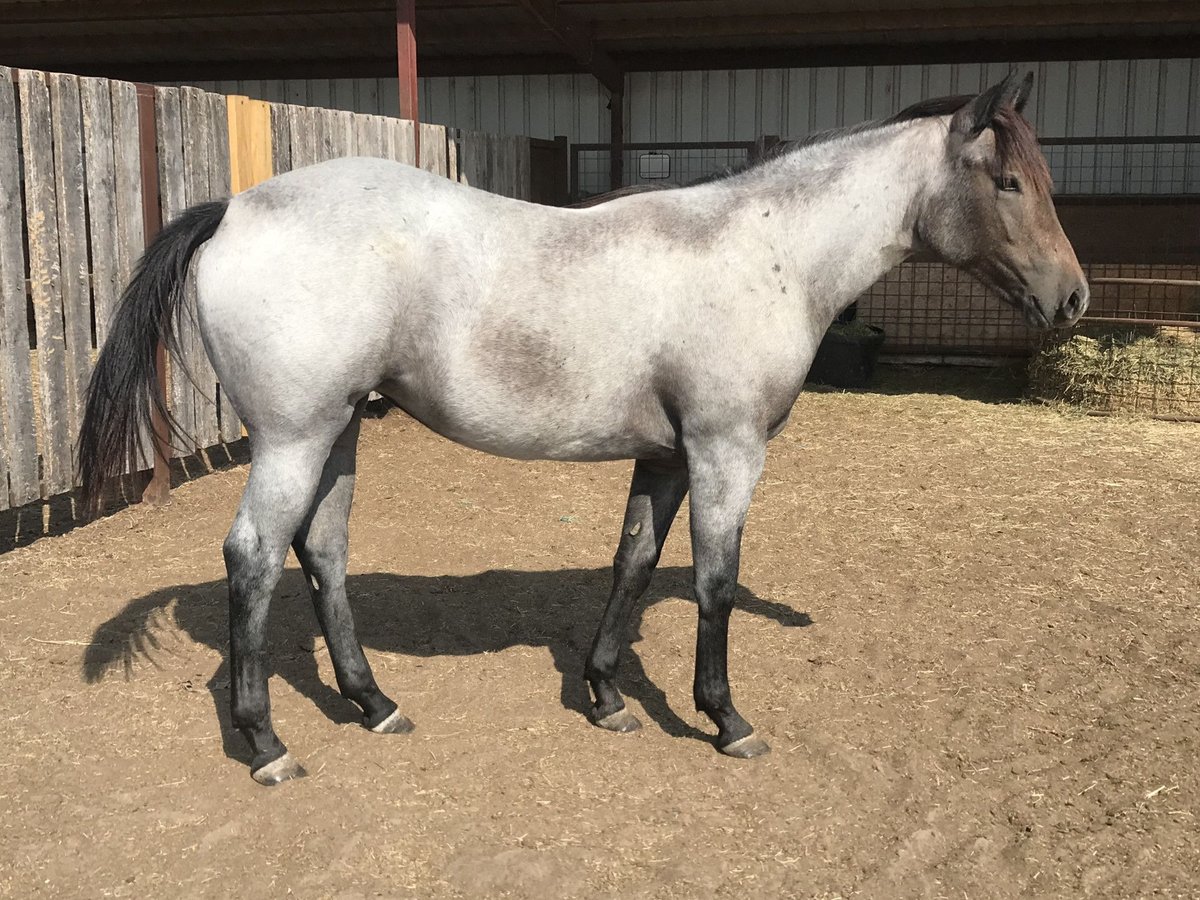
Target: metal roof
point(176, 39)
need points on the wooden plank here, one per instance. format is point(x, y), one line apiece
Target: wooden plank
point(380, 127)
point(366, 135)
point(220, 173)
point(433, 148)
point(304, 130)
point(408, 141)
point(45, 284)
point(493, 170)
point(67, 125)
point(131, 239)
point(281, 138)
point(172, 191)
point(347, 134)
point(298, 138)
point(197, 160)
point(100, 177)
point(220, 184)
point(127, 185)
point(452, 154)
point(131, 225)
point(326, 121)
point(525, 173)
point(248, 126)
point(18, 442)
point(472, 162)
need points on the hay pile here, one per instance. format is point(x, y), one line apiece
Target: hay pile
point(1146, 371)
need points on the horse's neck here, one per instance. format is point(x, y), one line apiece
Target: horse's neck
point(854, 220)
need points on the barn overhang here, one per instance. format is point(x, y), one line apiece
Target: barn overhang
point(241, 39)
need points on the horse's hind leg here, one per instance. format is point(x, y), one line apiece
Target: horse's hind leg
point(321, 545)
point(654, 498)
point(284, 475)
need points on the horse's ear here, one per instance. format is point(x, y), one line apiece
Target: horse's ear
point(979, 113)
point(1023, 92)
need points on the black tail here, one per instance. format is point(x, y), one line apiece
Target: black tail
point(123, 389)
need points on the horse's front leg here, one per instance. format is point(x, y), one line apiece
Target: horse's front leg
point(723, 473)
point(654, 498)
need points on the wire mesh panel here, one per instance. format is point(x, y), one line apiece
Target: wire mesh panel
point(1126, 165)
point(671, 164)
point(933, 308)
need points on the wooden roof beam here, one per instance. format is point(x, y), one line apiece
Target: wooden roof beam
point(576, 36)
point(941, 19)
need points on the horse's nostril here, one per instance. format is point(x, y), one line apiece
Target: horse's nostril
point(1072, 308)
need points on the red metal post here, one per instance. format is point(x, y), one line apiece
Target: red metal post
point(406, 59)
point(158, 491)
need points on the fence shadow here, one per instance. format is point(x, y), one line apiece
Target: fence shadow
point(416, 616)
point(62, 513)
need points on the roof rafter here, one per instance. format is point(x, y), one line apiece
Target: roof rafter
point(577, 37)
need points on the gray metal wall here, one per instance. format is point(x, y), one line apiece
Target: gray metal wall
point(1073, 99)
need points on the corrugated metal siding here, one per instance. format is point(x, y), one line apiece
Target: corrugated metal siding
point(1073, 99)
point(534, 105)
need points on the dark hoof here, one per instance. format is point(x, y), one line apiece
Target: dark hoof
point(746, 748)
point(394, 724)
point(622, 721)
point(278, 770)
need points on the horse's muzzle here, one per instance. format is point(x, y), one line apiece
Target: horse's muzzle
point(1072, 309)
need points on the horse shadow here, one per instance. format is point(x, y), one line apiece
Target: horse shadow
point(417, 616)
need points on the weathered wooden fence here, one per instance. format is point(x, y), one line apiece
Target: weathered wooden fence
point(88, 170)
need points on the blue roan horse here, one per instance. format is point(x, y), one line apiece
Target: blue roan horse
point(673, 328)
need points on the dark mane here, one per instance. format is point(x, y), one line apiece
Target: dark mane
point(1017, 147)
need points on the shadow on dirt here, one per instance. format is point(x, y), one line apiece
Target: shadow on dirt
point(1004, 383)
point(417, 616)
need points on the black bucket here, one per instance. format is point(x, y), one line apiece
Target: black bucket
point(847, 356)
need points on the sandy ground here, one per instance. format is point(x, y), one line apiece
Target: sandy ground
point(969, 631)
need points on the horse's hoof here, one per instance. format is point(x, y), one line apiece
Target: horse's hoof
point(622, 721)
point(394, 724)
point(279, 770)
point(746, 748)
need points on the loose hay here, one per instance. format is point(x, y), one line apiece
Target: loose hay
point(1144, 371)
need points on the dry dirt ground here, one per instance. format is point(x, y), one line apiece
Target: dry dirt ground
point(967, 629)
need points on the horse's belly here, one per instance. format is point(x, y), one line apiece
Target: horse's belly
point(520, 429)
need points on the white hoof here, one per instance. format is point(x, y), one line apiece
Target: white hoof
point(396, 723)
point(279, 770)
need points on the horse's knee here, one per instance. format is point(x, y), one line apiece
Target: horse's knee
point(634, 562)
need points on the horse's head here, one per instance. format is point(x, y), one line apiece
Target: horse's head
point(992, 214)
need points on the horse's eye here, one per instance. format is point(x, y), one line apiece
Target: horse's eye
point(1007, 183)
